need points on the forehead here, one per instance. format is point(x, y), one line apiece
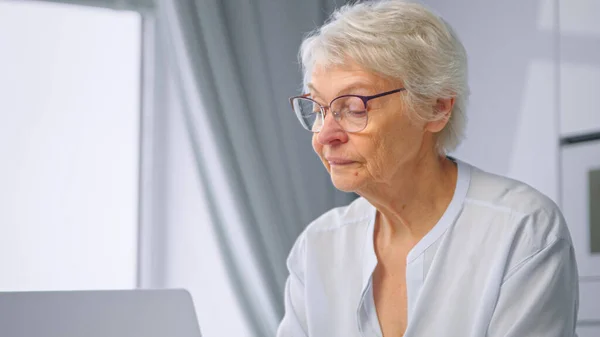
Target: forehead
point(333, 79)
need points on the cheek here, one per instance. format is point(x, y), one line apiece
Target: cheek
point(387, 148)
point(378, 160)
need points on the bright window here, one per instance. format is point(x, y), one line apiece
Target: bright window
point(69, 146)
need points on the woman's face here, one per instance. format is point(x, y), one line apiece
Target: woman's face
point(377, 155)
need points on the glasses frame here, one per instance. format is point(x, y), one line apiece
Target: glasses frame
point(337, 117)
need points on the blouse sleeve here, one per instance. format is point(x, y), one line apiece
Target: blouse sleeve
point(540, 297)
point(294, 319)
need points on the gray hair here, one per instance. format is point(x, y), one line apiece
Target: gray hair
point(400, 41)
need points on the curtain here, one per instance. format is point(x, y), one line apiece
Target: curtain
point(231, 162)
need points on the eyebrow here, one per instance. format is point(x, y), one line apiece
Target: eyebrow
point(359, 85)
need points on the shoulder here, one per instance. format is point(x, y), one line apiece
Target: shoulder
point(328, 226)
point(503, 193)
point(358, 211)
point(518, 215)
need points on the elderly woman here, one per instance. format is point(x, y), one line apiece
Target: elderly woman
point(434, 246)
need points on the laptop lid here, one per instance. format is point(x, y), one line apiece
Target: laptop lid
point(108, 313)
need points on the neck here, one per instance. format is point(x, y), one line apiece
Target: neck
point(411, 203)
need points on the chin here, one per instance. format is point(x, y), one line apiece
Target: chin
point(345, 183)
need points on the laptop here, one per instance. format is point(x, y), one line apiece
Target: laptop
point(107, 313)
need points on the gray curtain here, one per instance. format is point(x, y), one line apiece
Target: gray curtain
point(234, 65)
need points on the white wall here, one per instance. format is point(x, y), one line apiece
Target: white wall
point(579, 67)
point(69, 116)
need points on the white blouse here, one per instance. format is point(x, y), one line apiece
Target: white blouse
point(499, 262)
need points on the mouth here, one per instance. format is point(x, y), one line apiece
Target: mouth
point(339, 162)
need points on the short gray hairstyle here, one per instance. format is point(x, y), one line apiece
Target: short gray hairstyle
point(402, 41)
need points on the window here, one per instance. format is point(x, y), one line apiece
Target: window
point(69, 145)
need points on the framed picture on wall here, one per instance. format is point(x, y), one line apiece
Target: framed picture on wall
point(581, 203)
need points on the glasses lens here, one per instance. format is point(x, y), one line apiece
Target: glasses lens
point(309, 114)
point(351, 113)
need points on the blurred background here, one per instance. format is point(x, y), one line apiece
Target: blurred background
point(150, 144)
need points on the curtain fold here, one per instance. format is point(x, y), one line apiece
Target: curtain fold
point(233, 65)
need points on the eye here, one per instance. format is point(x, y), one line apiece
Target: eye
point(356, 113)
point(353, 108)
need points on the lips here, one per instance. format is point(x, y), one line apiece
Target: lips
point(339, 161)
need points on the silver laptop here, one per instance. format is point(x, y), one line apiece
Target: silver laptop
point(110, 313)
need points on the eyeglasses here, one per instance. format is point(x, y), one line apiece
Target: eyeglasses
point(349, 111)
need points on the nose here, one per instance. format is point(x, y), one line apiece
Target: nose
point(331, 133)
